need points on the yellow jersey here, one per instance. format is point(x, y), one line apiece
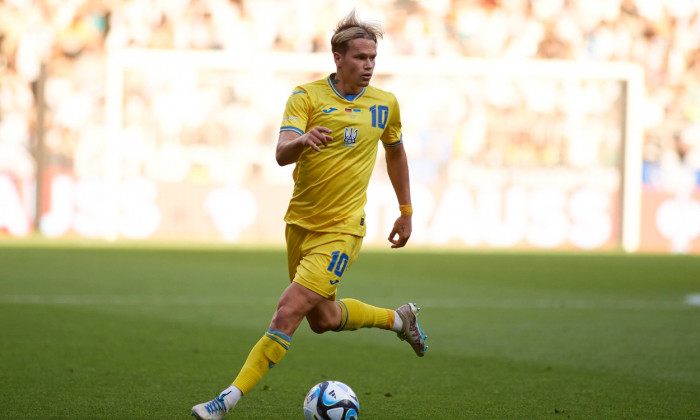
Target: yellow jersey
point(330, 187)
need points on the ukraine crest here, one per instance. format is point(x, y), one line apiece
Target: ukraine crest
point(350, 137)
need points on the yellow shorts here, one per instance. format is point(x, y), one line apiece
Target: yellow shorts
point(318, 260)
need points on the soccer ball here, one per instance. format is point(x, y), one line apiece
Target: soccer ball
point(331, 400)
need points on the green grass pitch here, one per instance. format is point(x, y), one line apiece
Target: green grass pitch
point(111, 332)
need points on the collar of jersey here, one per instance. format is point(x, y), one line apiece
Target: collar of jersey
point(340, 95)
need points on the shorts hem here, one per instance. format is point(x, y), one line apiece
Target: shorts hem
point(314, 289)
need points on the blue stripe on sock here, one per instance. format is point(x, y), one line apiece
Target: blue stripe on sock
point(277, 340)
point(343, 322)
point(281, 338)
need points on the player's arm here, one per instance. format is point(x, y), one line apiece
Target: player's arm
point(397, 168)
point(291, 144)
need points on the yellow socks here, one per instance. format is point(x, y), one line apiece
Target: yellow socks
point(355, 314)
point(268, 351)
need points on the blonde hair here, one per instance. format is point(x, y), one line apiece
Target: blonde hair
point(349, 28)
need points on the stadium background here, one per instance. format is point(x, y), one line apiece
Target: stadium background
point(158, 119)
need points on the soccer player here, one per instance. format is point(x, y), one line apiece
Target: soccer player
point(331, 130)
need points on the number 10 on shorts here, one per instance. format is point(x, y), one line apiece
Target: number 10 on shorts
point(339, 263)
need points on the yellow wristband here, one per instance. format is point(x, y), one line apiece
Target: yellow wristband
point(406, 209)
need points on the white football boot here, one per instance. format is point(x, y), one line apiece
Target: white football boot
point(213, 410)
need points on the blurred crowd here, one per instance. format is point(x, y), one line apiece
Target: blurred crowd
point(59, 47)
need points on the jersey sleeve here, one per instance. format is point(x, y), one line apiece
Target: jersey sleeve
point(392, 133)
point(296, 112)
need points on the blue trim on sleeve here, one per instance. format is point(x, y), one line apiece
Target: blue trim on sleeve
point(394, 144)
point(290, 128)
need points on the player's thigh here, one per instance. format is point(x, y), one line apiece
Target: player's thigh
point(325, 259)
point(295, 237)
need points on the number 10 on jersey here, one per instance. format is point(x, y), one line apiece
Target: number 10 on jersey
point(380, 114)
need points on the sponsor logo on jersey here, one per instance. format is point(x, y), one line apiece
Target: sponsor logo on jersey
point(329, 110)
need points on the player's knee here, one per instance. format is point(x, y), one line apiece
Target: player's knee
point(285, 320)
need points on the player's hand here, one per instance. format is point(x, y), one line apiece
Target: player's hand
point(316, 137)
point(401, 232)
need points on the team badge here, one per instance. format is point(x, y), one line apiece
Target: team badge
point(350, 137)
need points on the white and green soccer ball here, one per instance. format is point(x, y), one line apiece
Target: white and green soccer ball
point(331, 400)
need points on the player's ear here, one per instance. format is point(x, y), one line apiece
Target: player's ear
point(337, 57)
